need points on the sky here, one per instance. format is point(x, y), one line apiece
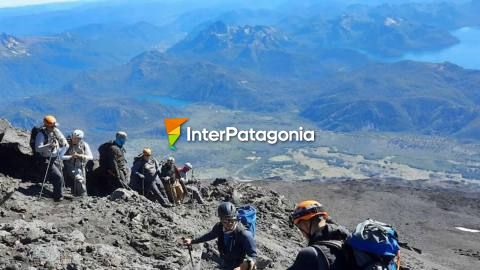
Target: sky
point(16, 3)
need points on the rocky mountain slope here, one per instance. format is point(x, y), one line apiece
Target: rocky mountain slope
point(128, 231)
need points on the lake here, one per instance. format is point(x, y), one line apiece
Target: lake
point(465, 54)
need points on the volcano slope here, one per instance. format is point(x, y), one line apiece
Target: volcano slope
point(127, 231)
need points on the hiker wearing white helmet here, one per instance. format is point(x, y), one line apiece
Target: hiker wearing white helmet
point(189, 182)
point(75, 160)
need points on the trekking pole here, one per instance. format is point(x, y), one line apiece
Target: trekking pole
point(45, 177)
point(143, 181)
point(191, 258)
point(191, 192)
point(190, 253)
point(74, 182)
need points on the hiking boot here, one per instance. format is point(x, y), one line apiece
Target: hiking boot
point(58, 199)
point(167, 205)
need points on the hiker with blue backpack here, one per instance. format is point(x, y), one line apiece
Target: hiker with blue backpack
point(235, 243)
point(372, 246)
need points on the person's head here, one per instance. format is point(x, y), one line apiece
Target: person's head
point(187, 167)
point(49, 122)
point(309, 217)
point(170, 160)
point(146, 153)
point(120, 138)
point(77, 136)
point(228, 215)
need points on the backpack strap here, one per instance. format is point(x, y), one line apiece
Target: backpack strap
point(332, 244)
point(321, 256)
point(342, 253)
point(43, 130)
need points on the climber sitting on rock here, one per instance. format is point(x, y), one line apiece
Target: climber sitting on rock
point(188, 182)
point(236, 244)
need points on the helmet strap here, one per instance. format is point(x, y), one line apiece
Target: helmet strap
point(310, 234)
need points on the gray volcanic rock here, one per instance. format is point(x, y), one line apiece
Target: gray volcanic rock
point(128, 231)
point(15, 152)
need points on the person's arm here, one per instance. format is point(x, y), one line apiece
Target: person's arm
point(136, 169)
point(40, 147)
point(62, 142)
point(249, 245)
point(63, 150)
point(65, 157)
point(213, 234)
point(307, 259)
point(88, 152)
point(184, 187)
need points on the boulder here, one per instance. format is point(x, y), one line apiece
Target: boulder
point(121, 194)
point(15, 152)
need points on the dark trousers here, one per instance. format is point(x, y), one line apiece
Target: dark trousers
point(159, 191)
point(54, 175)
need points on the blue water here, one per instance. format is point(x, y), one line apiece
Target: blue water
point(164, 100)
point(465, 54)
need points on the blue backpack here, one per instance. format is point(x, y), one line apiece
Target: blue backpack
point(375, 246)
point(248, 217)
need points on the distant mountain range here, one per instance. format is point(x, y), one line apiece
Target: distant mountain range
point(42, 64)
point(439, 99)
point(383, 36)
point(318, 67)
point(263, 49)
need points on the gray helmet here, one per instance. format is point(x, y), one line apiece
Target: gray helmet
point(227, 210)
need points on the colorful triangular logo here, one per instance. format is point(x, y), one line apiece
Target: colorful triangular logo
point(172, 125)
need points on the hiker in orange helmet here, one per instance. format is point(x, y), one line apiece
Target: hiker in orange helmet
point(50, 145)
point(325, 238)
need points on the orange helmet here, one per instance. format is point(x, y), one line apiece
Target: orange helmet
point(49, 121)
point(306, 210)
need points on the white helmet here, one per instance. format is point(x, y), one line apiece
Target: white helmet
point(171, 159)
point(78, 134)
point(188, 165)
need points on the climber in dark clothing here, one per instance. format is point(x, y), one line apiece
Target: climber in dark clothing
point(113, 165)
point(144, 177)
point(325, 239)
point(236, 244)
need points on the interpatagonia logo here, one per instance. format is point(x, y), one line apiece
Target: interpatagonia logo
point(172, 125)
point(250, 135)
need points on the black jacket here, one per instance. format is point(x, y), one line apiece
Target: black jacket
point(112, 157)
point(242, 245)
point(309, 257)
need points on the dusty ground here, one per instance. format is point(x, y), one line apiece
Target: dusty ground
point(425, 216)
point(127, 231)
point(134, 233)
